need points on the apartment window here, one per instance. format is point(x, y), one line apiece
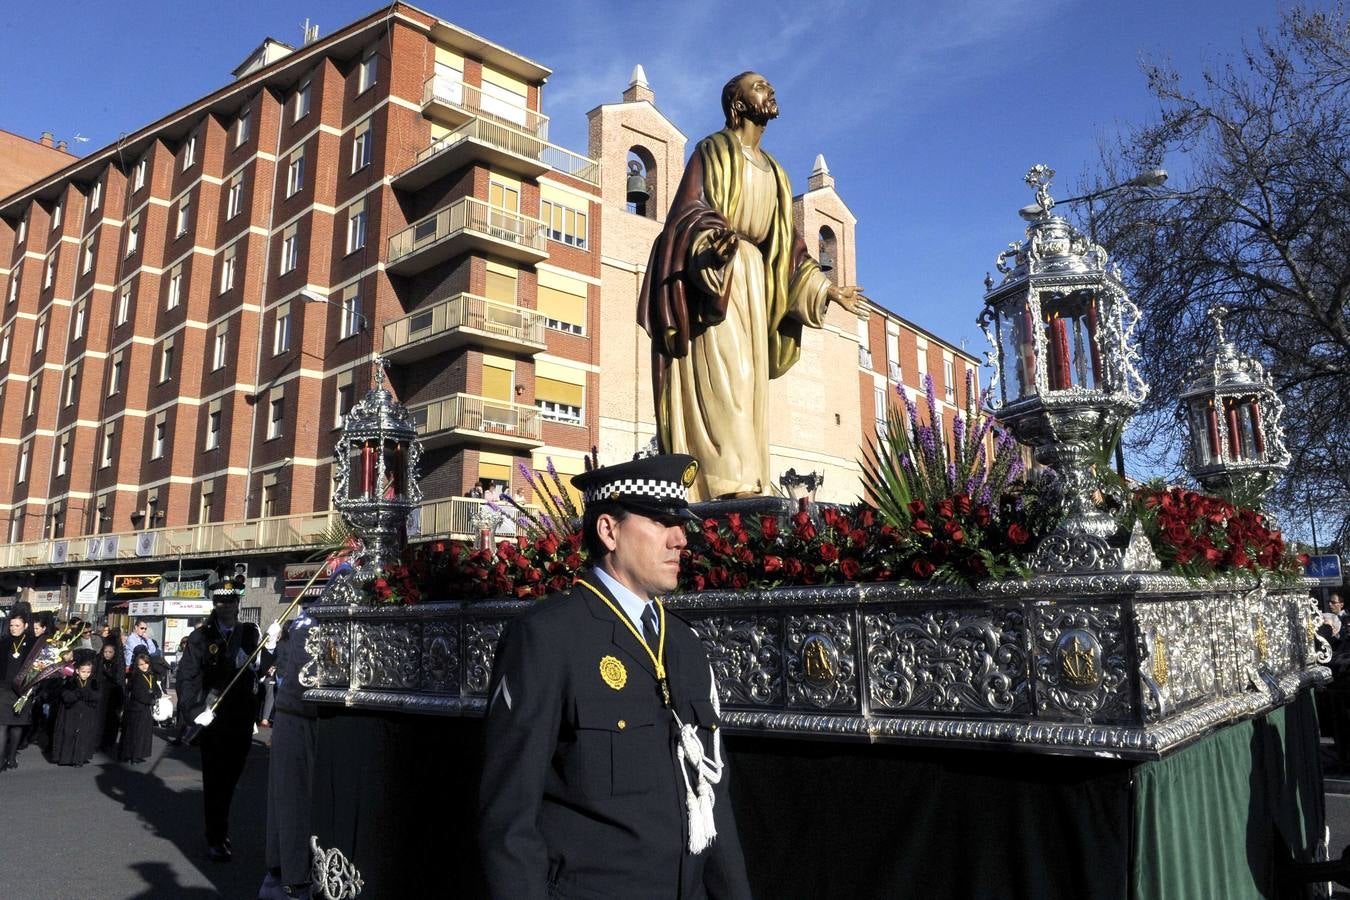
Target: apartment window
point(220, 346)
point(133, 234)
point(166, 360)
point(361, 146)
point(101, 508)
point(72, 376)
point(40, 336)
point(290, 248)
point(234, 199)
point(204, 500)
point(302, 96)
point(175, 287)
point(184, 214)
point(501, 283)
point(63, 455)
point(276, 409)
point(281, 330)
point(189, 152)
point(346, 396)
point(949, 380)
point(87, 255)
point(138, 179)
point(24, 451)
point(879, 406)
point(95, 195)
point(242, 126)
point(109, 432)
point(23, 230)
point(4, 345)
point(562, 302)
point(559, 392)
point(160, 431)
point(213, 419)
point(115, 374)
point(922, 347)
point(504, 196)
point(893, 370)
point(351, 312)
point(369, 69)
point(269, 496)
point(14, 286)
point(34, 387)
point(49, 272)
point(124, 305)
point(356, 225)
point(77, 330)
point(56, 217)
point(227, 269)
point(295, 172)
point(564, 223)
point(504, 97)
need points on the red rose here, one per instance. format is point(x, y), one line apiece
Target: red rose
point(922, 568)
point(717, 575)
point(573, 561)
point(983, 516)
point(857, 537)
point(1017, 534)
point(916, 508)
point(866, 518)
point(709, 524)
point(946, 509)
point(700, 583)
point(807, 532)
point(772, 564)
point(962, 503)
point(829, 552)
point(740, 581)
point(793, 566)
point(954, 532)
point(800, 519)
point(768, 527)
point(745, 555)
point(921, 526)
point(551, 544)
point(850, 569)
point(1213, 556)
point(830, 515)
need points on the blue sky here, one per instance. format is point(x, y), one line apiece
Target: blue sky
point(927, 113)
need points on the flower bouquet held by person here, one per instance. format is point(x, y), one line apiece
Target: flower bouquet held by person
point(50, 657)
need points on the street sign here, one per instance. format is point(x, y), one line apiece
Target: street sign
point(1326, 569)
point(87, 584)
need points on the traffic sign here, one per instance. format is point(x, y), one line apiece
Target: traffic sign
point(1326, 569)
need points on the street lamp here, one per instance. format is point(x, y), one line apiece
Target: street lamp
point(354, 313)
point(1061, 326)
point(1232, 411)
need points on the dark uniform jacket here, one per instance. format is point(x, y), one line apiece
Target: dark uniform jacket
point(209, 663)
point(581, 794)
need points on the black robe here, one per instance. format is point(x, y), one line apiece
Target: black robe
point(78, 726)
point(112, 679)
point(137, 724)
point(10, 667)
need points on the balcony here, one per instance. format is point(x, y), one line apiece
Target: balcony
point(464, 418)
point(454, 101)
point(502, 146)
point(466, 225)
point(464, 319)
point(893, 371)
point(864, 358)
point(271, 534)
point(458, 517)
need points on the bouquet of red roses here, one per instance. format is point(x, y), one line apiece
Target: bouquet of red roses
point(49, 658)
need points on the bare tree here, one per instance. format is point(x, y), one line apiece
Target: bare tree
point(1260, 224)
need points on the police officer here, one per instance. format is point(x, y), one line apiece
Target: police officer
point(215, 652)
point(603, 774)
point(290, 772)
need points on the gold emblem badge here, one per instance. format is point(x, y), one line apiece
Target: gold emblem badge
point(613, 672)
point(213, 649)
point(690, 471)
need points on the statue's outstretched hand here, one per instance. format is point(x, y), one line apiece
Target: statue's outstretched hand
point(724, 244)
point(849, 296)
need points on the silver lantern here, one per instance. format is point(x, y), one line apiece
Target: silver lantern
point(376, 486)
point(1061, 326)
point(1233, 413)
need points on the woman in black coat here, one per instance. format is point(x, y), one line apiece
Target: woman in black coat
point(143, 688)
point(78, 726)
point(112, 678)
point(15, 645)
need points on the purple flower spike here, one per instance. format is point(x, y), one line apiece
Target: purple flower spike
point(951, 475)
point(985, 496)
point(525, 472)
point(548, 461)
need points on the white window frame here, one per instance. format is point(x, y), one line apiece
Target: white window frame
point(220, 347)
point(243, 126)
point(56, 216)
point(158, 435)
point(234, 198)
point(123, 305)
point(109, 434)
point(295, 173)
point(138, 179)
point(351, 315)
point(561, 412)
point(276, 413)
point(62, 454)
point(95, 196)
point(189, 152)
point(49, 271)
point(290, 251)
point(25, 450)
point(40, 336)
point(175, 288)
point(362, 145)
point(213, 423)
point(227, 267)
point(4, 344)
point(356, 226)
point(23, 230)
point(281, 331)
point(14, 286)
point(133, 234)
point(184, 214)
point(166, 360)
point(87, 256)
point(563, 235)
point(77, 330)
point(302, 99)
point(34, 389)
point(368, 72)
point(115, 374)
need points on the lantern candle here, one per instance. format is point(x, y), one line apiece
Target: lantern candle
point(1258, 438)
point(399, 467)
point(1234, 432)
point(1213, 434)
point(1059, 354)
point(367, 470)
point(1092, 342)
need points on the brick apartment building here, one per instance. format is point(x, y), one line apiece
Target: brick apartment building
point(187, 314)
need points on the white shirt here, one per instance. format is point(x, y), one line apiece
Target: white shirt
point(629, 602)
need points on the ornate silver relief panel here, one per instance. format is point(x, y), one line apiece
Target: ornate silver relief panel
point(387, 655)
point(821, 670)
point(480, 645)
point(745, 650)
point(947, 661)
point(1178, 652)
point(1082, 664)
point(440, 657)
point(329, 647)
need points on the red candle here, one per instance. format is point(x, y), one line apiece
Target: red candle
point(1060, 377)
point(1257, 436)
point(367, 470)
point(1234, 433)
point(1213, 433)
point(1092, 339)
point(398, 470)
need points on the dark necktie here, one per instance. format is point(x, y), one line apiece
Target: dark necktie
point(649, 633)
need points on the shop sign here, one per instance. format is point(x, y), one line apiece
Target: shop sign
point(136, 584)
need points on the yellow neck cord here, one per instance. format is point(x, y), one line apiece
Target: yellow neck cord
point(659, 657)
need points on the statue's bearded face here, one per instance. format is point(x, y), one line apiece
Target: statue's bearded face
point(759, 104)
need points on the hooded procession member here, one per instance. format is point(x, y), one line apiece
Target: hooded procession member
point(603, 774)
point(142, 690)
point(215, 653)
point(78, 726)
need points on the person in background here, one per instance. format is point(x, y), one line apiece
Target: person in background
point(267, 696)
point(15, 646)
point(78, 726)
point(112, 678)
point(140, 637)
point(143, 689)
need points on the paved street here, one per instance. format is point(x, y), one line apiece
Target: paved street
point(112, 831)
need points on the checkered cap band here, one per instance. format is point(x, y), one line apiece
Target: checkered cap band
point(639, 489)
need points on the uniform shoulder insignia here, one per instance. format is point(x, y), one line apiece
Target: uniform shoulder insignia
point(613, 672)
point(690, 472)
